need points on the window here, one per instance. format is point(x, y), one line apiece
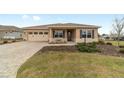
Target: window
point(58, 34)
point(82, 34)
point(30, 33)
point(45, 33)
point(35, 33)
point(88, 34)
point(85, 34)
point(40, 33)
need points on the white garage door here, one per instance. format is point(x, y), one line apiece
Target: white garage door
point(38, 36)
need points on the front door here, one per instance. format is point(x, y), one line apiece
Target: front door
point(69, 35)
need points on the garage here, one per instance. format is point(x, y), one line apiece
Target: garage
point(38, 35)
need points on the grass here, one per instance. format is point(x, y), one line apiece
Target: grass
point(71, 65)
point(115, 43)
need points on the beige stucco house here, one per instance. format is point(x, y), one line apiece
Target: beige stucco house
point(10, 32)
point(61, 32)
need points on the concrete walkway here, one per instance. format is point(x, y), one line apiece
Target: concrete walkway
point(12, 56)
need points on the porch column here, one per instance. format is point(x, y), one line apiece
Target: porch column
point(96, 35)
point(26, 34)
point(77, 36)
point(66, 35)
point(50, 35)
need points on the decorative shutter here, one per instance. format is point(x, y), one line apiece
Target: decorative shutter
point(80, 33)
point(93, 34)
point(53, 33)
point(63, 33)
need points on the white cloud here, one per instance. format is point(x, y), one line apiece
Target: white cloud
point(36, 18)
point(25, 17)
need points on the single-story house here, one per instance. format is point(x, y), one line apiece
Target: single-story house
point(105, 37)
point(10, 32)
point(61, 32)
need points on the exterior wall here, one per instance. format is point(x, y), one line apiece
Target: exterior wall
point(61, 40)
point(10, 35)
point(13, 35)
point(25, 35)
point(1, 35)
point(79, 40)
point(75, 36)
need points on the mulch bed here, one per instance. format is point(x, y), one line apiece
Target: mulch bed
point(105, 49)
point(59, 48)
point(110, 50)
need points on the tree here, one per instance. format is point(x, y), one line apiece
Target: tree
point(118, 27)
point(113, 35)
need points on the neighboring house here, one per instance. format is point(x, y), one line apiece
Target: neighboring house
point(105, 37)
point(116, 38)
point(61, 32)
point(10, 32)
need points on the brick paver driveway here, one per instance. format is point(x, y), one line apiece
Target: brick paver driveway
point(12, 56)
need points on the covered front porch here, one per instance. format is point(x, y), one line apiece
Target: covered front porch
point(62, 35)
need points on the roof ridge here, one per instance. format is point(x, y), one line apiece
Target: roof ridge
point(46, 26)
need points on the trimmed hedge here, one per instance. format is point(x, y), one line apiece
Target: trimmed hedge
point(5, 41)
point(101, 42)
point(108, 43)
point(121, 50)
point(121, 46)
point(13, 40)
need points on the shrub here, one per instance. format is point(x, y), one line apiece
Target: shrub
point(108, 43)
point(90, 47)
point(121, 50)
point(58, 41)
point(13, 40)
point(101, 42)
point(121, 46)
point(92, 43)
point(5, 41)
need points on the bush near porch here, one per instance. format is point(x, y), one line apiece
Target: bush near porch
point(121, 50)
point(89, 47)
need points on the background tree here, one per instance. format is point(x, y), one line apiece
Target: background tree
point(118, 27)
point(112, 35)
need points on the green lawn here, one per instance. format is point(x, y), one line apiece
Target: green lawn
point(115, 43)
point(68, 64)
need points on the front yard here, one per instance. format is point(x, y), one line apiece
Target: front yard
point(115, 43)
point(72, 64)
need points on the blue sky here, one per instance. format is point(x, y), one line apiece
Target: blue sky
point(22, 20)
